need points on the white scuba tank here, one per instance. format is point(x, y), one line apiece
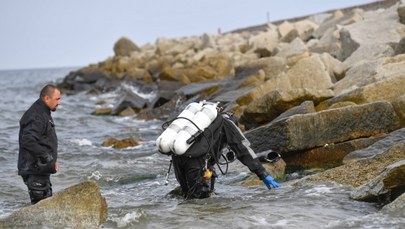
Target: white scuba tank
point(165, 140)
point(202, 119)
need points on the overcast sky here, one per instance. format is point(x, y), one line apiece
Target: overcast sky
point(75, 33)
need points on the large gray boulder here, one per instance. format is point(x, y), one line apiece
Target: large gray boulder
point(376, 28)
point(300, 132)
point(81, 206)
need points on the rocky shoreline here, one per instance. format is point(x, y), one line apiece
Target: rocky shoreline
point(325, 91)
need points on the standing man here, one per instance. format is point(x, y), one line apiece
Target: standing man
point(38, 143)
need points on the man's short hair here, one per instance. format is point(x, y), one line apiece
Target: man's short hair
point(48, 90)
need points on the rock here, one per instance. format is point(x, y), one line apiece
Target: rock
point(79, 206)
point(120, 144)
point(276, 169)
point(183, 45)
point(383, 90)
point(284, 28)
point(272, 66)
point(135, 73)
point(271, 105)
point(306, 71)
point(368, 53)
point(401, 12)
point(254, 79)
point(376, 28)
point(102, 111)
point(127, 112)
point(327, 156)
point(305, 107)
point(201, 88)
point(387, 186)
point(290, 36)
point(348, 45)
point(130, 100)
point(169, 73)
point(164, 44)
point(400, 47)
point(333, 21)
point(360, 172)
point(286, 50)
point(228, 93)
point(399, 107)
point(87, 79)
point(124, 47)
point(265, 41)
point(334, 67)
point(357, 76)
point(396, 207)
point(332, 48)
point(302, 132)
point(393, 138)
point(305, 28)
point(165, 110)
point(309, 72)
point(222, 64)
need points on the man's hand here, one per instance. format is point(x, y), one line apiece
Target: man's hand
point(269, 181)
point(56, 166)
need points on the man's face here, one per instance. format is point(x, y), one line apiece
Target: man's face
point(53, 101)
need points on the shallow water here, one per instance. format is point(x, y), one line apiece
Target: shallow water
point(132, 180)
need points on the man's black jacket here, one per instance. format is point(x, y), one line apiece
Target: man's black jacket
point(37, 140)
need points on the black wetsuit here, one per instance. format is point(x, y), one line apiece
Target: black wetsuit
point(38, 146)
point(189, 167)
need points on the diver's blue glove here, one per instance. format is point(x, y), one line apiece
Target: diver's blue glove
point(269, 181)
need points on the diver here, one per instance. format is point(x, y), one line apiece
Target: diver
point(194, 169)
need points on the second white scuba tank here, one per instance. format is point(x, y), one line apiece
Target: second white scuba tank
point(201, 120)
point(165, 140)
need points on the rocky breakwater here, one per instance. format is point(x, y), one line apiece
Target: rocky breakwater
point(314, 90)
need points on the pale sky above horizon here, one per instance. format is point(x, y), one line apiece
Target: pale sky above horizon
point(75, 33)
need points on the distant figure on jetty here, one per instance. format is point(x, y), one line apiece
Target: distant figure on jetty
point(38, 144)
point(194, 164)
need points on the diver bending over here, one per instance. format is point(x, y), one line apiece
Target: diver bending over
point(194, 169)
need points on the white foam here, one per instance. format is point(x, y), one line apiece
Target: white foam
point(149, 96)
point(132, 217)
point(82, 142)
point(96, 175)
point(317, 191)
point(280, 223)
